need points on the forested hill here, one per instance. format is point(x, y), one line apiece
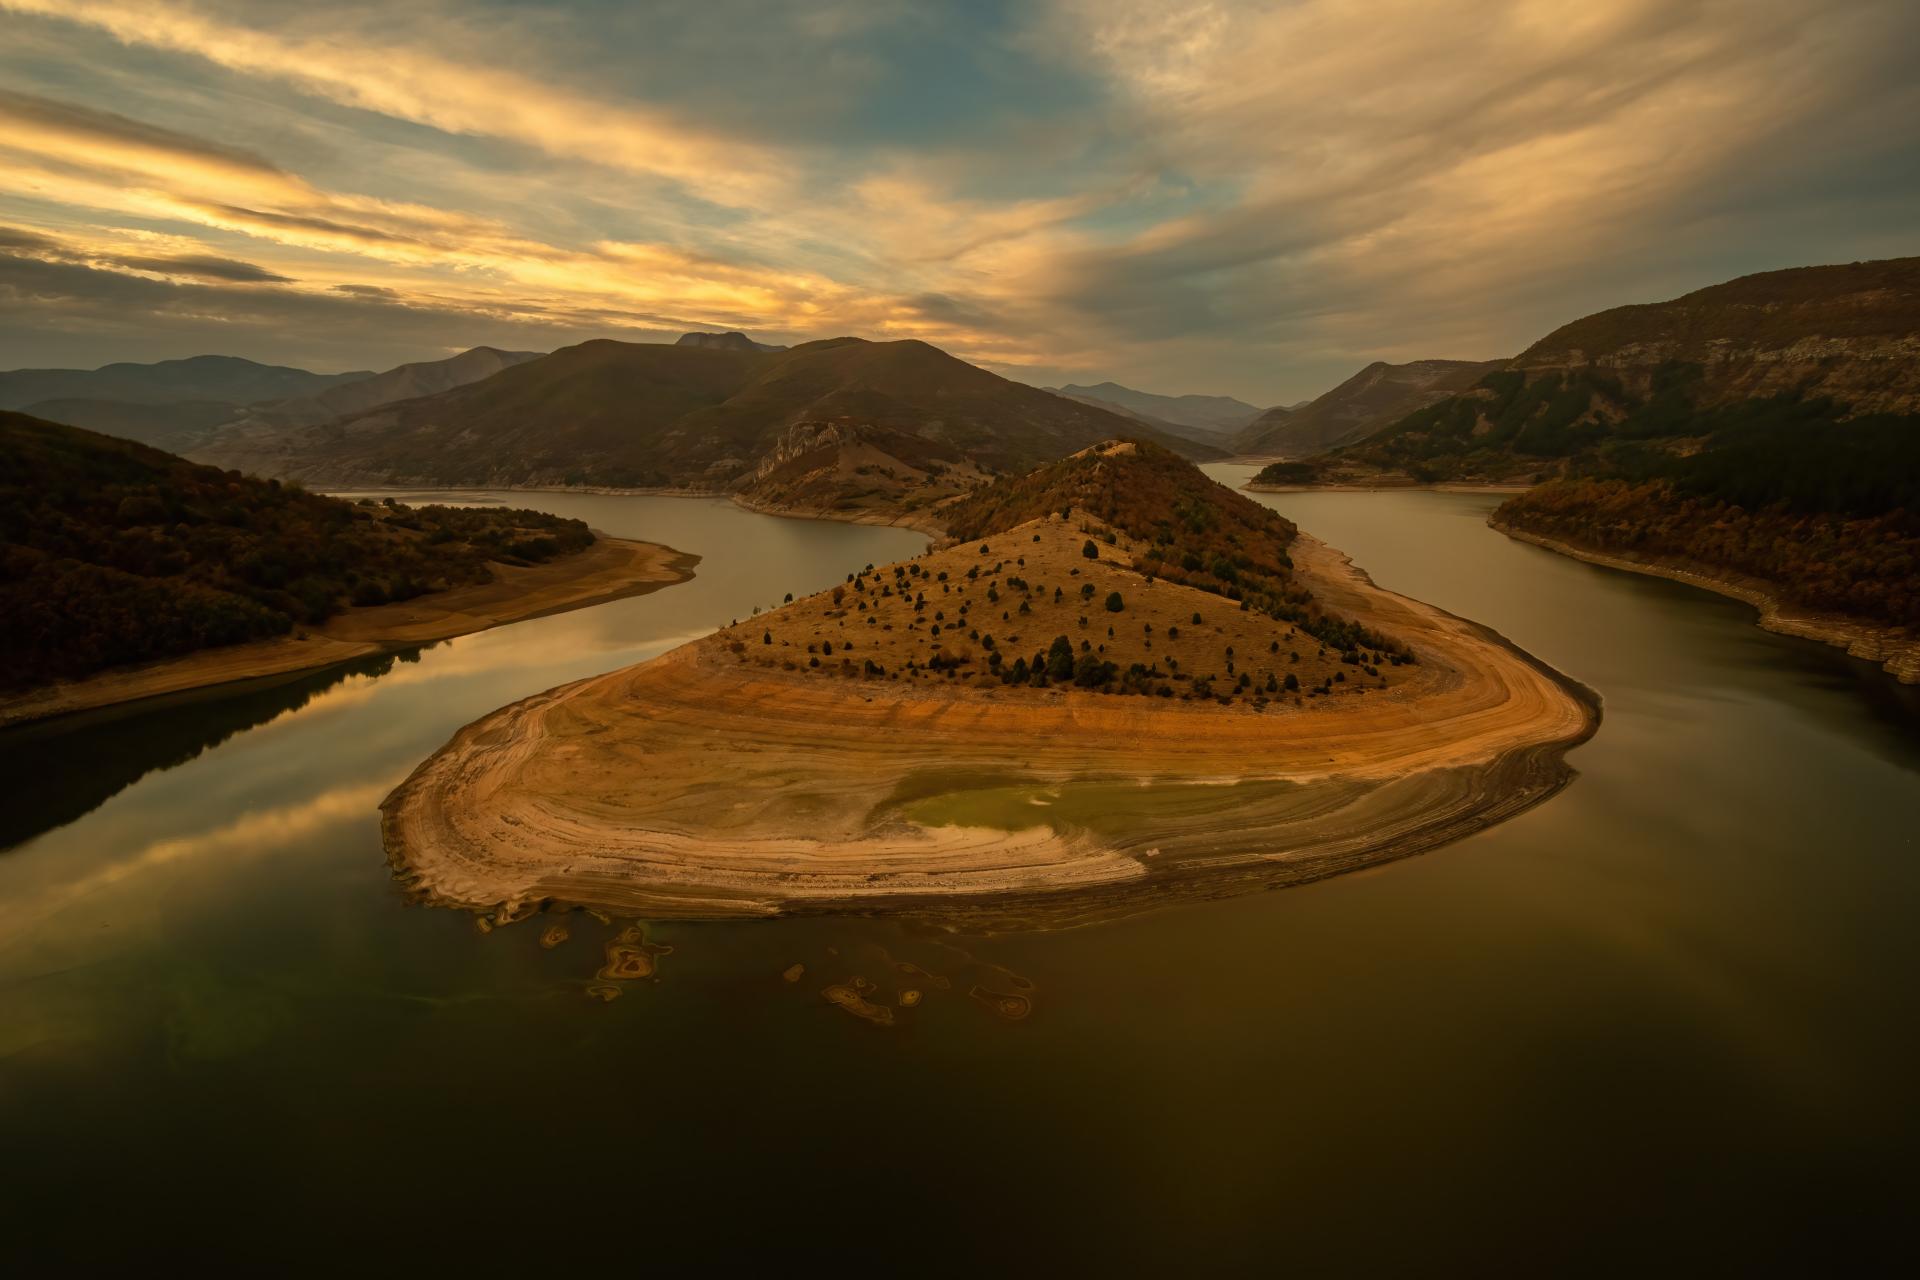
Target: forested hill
point(1821, 511)
point(1194, 530)
point(112, 552)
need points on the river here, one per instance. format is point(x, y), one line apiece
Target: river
point(1666, 1019)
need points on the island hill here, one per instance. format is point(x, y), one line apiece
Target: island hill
point(127, 572)
point(1114, 685)
point(1760, 438)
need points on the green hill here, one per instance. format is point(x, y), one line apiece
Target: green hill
point(113, 552)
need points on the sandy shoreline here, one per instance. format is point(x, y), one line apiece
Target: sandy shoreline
point(610, 569)
point(694, 786)
point(1444, 487)
point(1892, 648)
point(918, 521)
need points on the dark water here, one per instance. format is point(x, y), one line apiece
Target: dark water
point(1667, 1020)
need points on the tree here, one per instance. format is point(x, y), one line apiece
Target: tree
point(1292, 683)
point(1090, 551)
point(1114, 603)
point(1060, 659)
point(766, 637)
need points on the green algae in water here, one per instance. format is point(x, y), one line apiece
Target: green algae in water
point(1116, 809)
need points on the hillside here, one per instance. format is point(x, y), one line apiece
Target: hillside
point(650, 415)
point(228, 379)
point(1812, 518)
point(1209, 416)
point(1841, 341)
point(112, 552)
point(175, 426)
point(1379, 394)
point(404, 382)
point(1191, 530)
point(133, 412)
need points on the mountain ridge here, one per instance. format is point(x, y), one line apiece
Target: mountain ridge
point(233, 379)
point(1377, 395)
point(643, 415)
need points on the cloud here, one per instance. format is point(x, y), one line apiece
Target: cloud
point(1254, 198)
point(417, 84)
point(202, 267)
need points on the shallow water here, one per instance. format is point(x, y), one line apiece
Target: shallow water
point(1668, 1017)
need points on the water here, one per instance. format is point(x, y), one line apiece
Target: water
point(1667, 1018)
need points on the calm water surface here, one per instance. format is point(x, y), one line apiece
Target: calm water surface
point(1667, 1019)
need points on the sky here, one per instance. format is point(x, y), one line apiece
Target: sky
point(1249, 199)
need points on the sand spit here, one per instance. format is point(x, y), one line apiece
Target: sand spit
point(608, 570)
point(1896, 650)
point(701, 784)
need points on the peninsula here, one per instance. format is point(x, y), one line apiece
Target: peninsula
point(127, 572)
point(1117, 684)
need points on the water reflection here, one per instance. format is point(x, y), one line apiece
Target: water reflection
point(66, 768)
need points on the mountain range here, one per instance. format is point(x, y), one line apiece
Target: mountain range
point(1210, 419)
point(181, 405)
point(225, 379)
point(836, 424)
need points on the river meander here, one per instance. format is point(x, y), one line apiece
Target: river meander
point(1667, 1017)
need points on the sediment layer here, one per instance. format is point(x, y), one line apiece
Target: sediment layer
point(699, 784)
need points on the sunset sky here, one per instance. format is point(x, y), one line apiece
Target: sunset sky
point(1247, 199)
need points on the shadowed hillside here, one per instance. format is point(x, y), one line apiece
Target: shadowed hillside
point(1369, 400)
point(112, 552)
point(1843, 341)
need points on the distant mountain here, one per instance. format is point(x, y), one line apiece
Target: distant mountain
point(1379, 394)
point(206, 378)
point(1214, 416)
point(650, 415)
point(191, 426)
point(1813, 344)
point(403, 382)
point(730, 341)
point(174, 426)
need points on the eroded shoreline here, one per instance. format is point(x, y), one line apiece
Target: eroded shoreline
point(680, 787)
point(1892, 649)
point(610, 569)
